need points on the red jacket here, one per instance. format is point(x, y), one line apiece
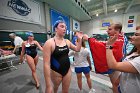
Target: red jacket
point(98, 51)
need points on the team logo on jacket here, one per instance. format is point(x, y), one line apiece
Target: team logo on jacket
point(19, 7)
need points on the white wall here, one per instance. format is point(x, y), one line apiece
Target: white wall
point(125, 24)
point(94, 26)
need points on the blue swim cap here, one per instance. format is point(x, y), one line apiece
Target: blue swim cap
point(29, 34)
point(56, 24)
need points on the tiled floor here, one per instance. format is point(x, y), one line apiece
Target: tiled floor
point(19, 81)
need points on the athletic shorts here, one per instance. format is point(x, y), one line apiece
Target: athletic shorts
point(85, 70)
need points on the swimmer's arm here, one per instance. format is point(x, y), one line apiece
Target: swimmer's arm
point(39, 46)
point(23, 48)
point(22, 51)
point(77, 48)
point(73, 47)
point(46, 58)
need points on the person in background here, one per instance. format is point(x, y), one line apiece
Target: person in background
point(56, 60)
point(129, 45)
point(18, 45)
point(114, 28)
point(82, 64)
point(74, 37)
point(29, 47)
point(130, 67)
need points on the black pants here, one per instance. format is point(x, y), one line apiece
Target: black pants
point(18, 52)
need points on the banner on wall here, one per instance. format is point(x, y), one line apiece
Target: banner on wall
point(130, 21)
point(76, 25)
point(130, 25)
point(55, 16)
point(20, 10)
point(105, 23)
point(131, 17)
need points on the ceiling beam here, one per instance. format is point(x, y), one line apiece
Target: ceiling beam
point(91, 7)
point(129, 6)
point(110, 8)
point(91, 2)
point(105, 7)
point(99, 11)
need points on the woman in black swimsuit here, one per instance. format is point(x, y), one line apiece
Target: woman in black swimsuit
point(29, 47)
point(56, 60)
